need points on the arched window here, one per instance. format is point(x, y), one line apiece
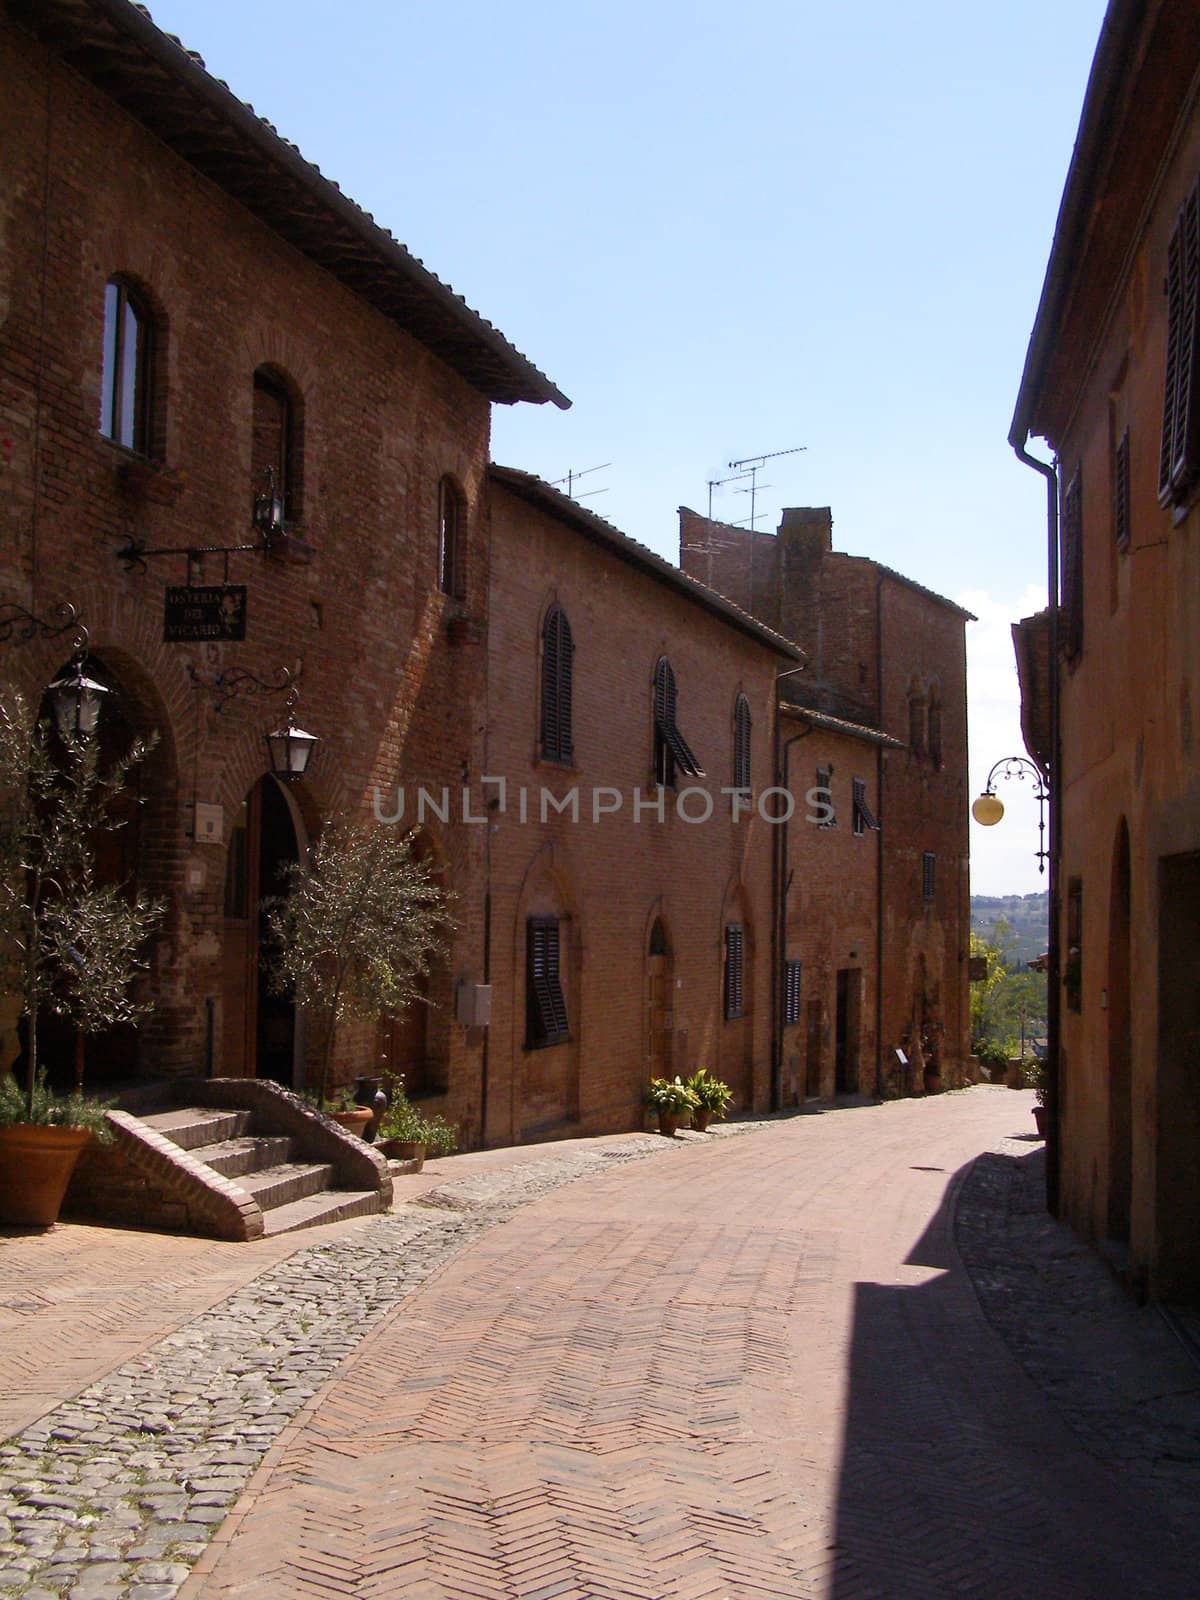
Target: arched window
point(917, 721)
point(452, 534)
point(273, 462)
point(935, 729)
point(558, 648)
point(128, 368)
point(671, 749)
point(741, 743)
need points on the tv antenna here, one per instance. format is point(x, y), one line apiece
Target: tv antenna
point(753, 466)
point(715, 483)
point(573, 477)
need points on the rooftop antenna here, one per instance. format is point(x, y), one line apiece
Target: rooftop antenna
point(572, 477)
point(755, 464)
point(715, 483)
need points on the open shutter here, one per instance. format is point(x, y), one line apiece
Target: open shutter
point(741, 743)
point(1121, 491)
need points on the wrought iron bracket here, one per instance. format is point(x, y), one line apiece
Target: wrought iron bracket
point(229, 686)
point(1021, 768)
point(20, 625)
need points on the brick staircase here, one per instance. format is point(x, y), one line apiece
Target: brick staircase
point(289, 1193)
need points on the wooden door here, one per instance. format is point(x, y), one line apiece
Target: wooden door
point(240, 941)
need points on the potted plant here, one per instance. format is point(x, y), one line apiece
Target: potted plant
point(344, 1109)
point(407, 1134)
point(1035, 1079)
point(712, 1098)
point(672, 1100)
point(74, 945)
point(356, 929)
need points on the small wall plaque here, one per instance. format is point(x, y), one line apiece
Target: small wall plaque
point(210, 823)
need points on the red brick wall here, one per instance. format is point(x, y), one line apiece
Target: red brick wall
point(612, 879)
point(832, 915)
point(87, 194)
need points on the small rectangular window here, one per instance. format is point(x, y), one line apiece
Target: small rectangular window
point(545, 1004)
point(863, 819)
point(734, 956)
point(791, 993)
point(824, 797)
point(928, 875)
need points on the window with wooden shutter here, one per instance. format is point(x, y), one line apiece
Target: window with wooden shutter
point(934, 721)
point(1072, 566)
point(863, 819)
point(1121, 491)
point(928, 875)
point(558, 648)
point(791, 993)
point(824, 797)
point(1179, 457)
point(734, 971)
point(545, 1004)
point(741, 743)
point(671, 750)
point(127, 368)
point(452, 534)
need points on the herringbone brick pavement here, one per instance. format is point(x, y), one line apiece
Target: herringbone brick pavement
point(753, 1370)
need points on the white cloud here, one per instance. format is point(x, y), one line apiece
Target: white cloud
point(1003, 857)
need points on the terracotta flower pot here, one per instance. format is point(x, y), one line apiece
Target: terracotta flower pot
point(701, 1119)
point(356, 1121)
point(404, 1150)
point(1041, 1119)
point(933, 1083)
point(36, 1164)
point(667, 1123)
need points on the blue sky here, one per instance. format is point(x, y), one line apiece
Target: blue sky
point(725, 231)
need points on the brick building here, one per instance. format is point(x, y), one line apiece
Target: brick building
point(216, 372)
point(658, 902)
point(186, 303)
point(879, 915)
point(1110, 676)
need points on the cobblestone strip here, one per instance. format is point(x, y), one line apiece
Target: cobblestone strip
point(115, 1494)
point(1078, 1335)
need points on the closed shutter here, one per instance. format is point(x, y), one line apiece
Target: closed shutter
point(1178, 453)
point(928, 875)
point(734, 954)
point(557, 651)
point(1121, 492)
point(791, 993)
point(741, 743)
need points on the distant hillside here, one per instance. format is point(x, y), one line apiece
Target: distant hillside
point(1028, 915)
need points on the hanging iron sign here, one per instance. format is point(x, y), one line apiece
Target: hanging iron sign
point(215, 611)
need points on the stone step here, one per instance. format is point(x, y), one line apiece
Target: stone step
point(194, 1126)
point(232, 1158)
point(290, 1180)
point(334, 1205)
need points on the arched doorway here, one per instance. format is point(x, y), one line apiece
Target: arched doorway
point(1120, 1087)
point(415, 1044)
point(659, 1004)
point(260, 1033)
point(108, 1058)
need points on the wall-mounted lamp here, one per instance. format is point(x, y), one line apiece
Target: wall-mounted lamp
point(76, 699)
point(989, 808)
point(290, 747)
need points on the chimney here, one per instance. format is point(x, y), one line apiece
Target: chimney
point(805, 533)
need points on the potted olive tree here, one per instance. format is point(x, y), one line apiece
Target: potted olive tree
point(72, 945)
point(356, 930)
